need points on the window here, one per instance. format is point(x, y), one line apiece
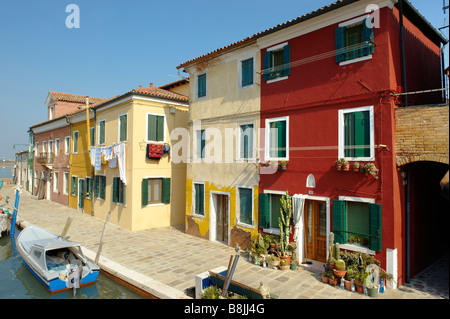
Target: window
point(66, 183)
point(356, 138)
point(89, 186)
point(354, 39)
point(119, 191)
point(122, 127)
point(201, 85)
point(155, 191)
point(100, 186)
point(247, 72)
point(55, 181)
point(101, 132)
point(277, 62)
point(92, 135)
point(36, 150)
point(199, 199)
point(246, 150)
point(357, 222)
point(57, 147)
point(67, 145)
point(75, 142)
point(155, 127)
point(277, 143)
point(200, 144)
point(269, 210)
point(245, 205)
point(74, 186)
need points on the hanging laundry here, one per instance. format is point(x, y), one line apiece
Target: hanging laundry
point(112, 162)
point(92, 154)
point(155, 151)
point(98, 159)
point(119, 150)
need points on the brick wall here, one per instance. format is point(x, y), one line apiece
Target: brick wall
point(422, 134)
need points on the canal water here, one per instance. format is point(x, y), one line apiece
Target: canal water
point(17, 282)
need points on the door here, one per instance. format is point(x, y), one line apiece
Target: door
point(81, 193)
point(221, 218)
point(315, 230)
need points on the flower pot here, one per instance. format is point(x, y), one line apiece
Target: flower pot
point(356, 168)
point(372, 292)
point(359, 287)
point(284, 267)
point(346, 167)
point(293, 266)
point(283, 167)
point(324, 279)
point(348, 284)
point(338, 167)
point(287, 258)
point(332, 282)
point(339, 273)
point(274, 263)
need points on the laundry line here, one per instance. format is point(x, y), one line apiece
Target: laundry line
point(115, 155)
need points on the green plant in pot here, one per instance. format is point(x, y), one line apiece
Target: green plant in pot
point(285, 222)
point(339, 268)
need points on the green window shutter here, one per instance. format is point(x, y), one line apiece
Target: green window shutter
point(368, 38)
point(199, 199)
point(145, 192)
point(124, 194)
point(165, 194)
point(115, 193)
point(245, 205)
point(286, 60)
point(247, 72)
point(362, 134)
point(123, 127)
point(96, 189)
point(375, 243)
point(160, 128)
point(281, 135)
point(264, 210)
point(103, 187)
point(340, 39)
point(151, 127)
point(339, 221)
point(267, 56)
point(201, 85)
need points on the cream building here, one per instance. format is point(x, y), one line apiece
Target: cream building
point(139, 190)
point(222, 176)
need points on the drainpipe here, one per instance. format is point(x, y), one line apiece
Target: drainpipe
point(402, 48)
point(408, 225)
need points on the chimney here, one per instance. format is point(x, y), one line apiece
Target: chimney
point(151, 84)
point(140, 86)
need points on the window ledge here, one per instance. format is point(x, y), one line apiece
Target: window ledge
point(364, 58)
point(357, 248)
point(277, 79)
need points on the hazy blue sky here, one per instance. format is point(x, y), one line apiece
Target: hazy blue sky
point(120, 45)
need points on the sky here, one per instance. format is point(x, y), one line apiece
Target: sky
point(120, 45)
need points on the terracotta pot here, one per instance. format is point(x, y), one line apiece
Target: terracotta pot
point(348, 285)
point(346, 167)
point(324, 279)
point(340, 273)
point(287, 258)
point(359, 287)
point(338, 167)
point(284, 267)
point(332, 282)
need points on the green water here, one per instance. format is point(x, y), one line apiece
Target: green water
point(17, 282)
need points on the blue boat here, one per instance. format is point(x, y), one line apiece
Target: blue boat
point(59, 264)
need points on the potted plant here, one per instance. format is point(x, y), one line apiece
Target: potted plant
point(284, 265)
point(348, 278)
point(332, 279)
point(285, 223)
point(385, 276)
point(273, 261)
point(356, 166)
point(345, 166)
point(371, 169)
point(324, 277)
point(339, 164)
point(283, 165)
point(339, 268)
point(293, 264)
point(360, 279)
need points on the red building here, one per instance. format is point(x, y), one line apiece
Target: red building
point(329, 90)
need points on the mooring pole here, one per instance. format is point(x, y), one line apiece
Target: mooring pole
point(16, 207)
point(101, 239)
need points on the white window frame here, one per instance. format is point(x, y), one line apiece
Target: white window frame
point(341, 134)
point(66, 183)
point(56, 146)
point(73, 142)
point(267, 139)
point(196, 157)
point(239, 71)
point(193, 200)
point(252, 158)
point(99, 134)
point(146, 128)
point(67, 145)
point(118, 128)
point(160, 203)
point(276, 48)
point(36, 149)
point(55, 181)
point(238, 207)
point(272, 230)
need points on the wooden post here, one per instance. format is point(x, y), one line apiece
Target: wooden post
point(66, 228)
point(101, 239)
point(226, 277)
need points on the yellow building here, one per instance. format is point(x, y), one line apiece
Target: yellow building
point(223, 173)
point(81, 171)
point(135, 177)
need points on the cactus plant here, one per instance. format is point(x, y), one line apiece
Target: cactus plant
point(285, 222)
point(340, 264)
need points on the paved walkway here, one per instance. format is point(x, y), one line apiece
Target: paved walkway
point(164, 261)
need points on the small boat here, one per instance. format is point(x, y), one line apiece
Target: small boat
point(59, 264)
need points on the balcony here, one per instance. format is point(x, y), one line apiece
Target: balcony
point(45, 159)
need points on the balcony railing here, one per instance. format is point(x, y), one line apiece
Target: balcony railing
point(45, 158)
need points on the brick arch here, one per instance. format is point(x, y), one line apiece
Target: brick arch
point(422, 158)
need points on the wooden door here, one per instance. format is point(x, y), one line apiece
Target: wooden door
point(222, 218)
point(315, 230)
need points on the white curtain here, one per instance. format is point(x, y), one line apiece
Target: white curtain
point(298, 204)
